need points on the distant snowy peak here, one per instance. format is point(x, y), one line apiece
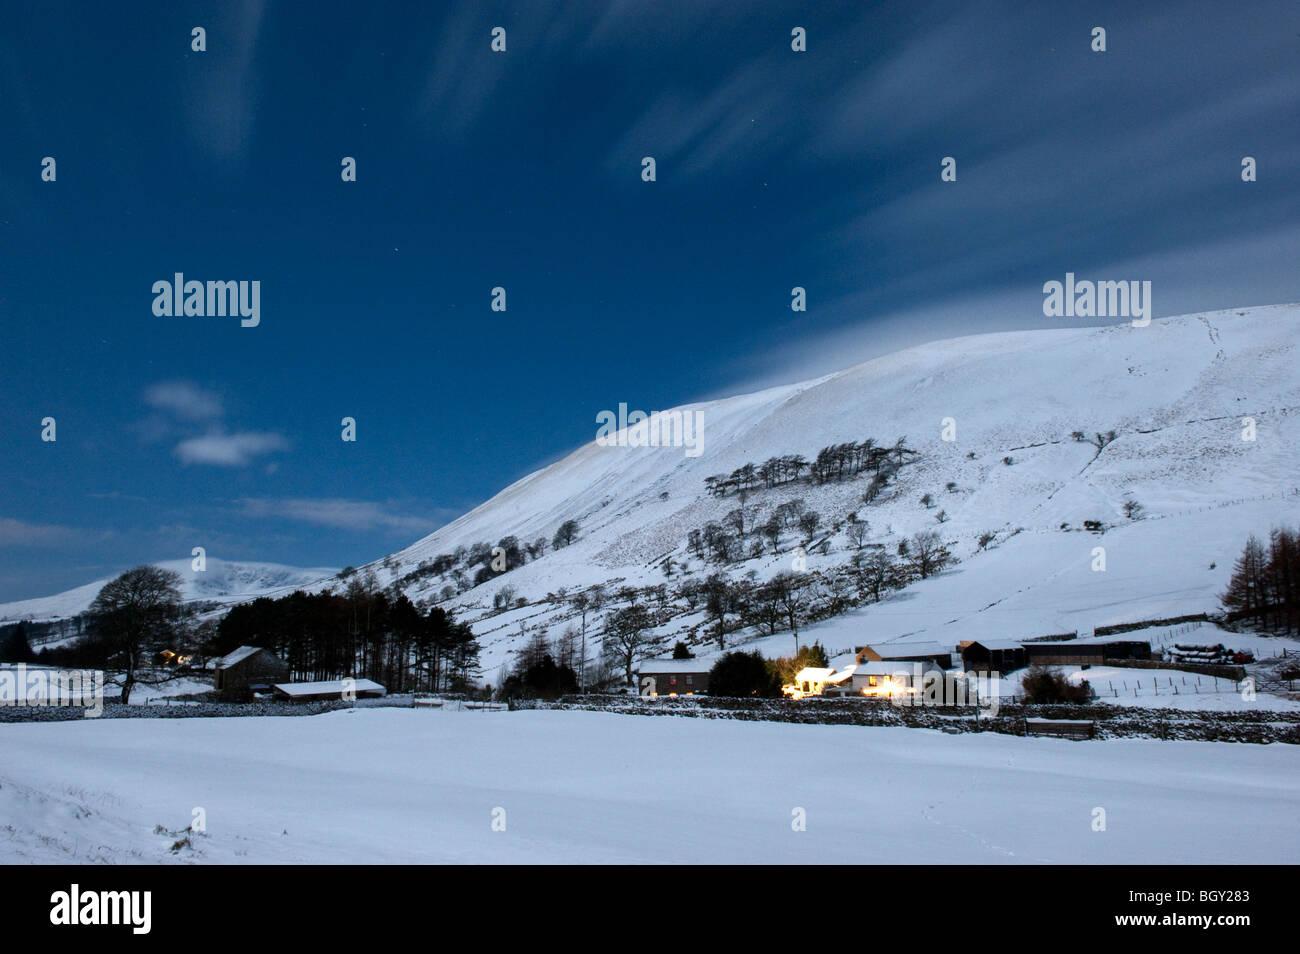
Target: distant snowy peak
point(221, 581)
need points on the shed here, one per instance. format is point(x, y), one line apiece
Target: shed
point(329, 689)
point(1079, 653)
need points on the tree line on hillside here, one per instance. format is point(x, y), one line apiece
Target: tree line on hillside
point(1265, 584)
point(785, 602)
point(791, 598)
point(832, 463)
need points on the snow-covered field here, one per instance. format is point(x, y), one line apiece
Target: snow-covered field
point(397, 785)
point(1162, 689)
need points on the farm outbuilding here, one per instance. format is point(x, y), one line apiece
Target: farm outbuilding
point(673, 677)
point(329, 689)
point(992, 656)
point(249, 667)
point(1078, 653)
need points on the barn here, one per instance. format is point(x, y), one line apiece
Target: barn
point(1077, 653)
point(249, 667)
point(993, 655)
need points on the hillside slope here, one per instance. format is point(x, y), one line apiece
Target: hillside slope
point(1175, 394)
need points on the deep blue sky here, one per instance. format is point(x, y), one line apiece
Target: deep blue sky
point(522, 169)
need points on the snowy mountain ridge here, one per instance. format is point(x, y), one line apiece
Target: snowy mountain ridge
point(222, 581)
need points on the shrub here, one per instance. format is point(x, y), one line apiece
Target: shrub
point(542, 680)
point(787, 667)
point(743, 674)
point(1044, 684)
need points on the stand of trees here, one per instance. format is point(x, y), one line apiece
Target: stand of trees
point(1265, 584)
point(833, 462)
point(365, 632)
point(14, 644)
point(542, 670)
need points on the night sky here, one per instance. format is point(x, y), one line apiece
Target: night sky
point(522, 169)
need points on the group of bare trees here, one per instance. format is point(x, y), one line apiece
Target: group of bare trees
point(469, 566)
point(725, 541)
point(833, 462)
point(793, 598)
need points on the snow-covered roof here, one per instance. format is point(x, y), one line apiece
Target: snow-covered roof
point(327, 687)
point(911, 650)
point(992, 643)
point(238, 656)
point(843, 675)
point(674, 665)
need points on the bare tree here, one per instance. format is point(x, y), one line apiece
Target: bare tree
point(928, 553)
point(772, 530)
point(625, 636)
point(791, 592)
point(874, 572)
point(133, 613)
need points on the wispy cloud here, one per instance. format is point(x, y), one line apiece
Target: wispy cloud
point(19, 533)
point(221, 120)
point(229, 450)
point(337, 512)
point(184, 399)
point(183, 407)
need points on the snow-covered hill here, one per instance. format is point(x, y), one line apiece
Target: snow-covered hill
point(223, 581)
point(1175, 393)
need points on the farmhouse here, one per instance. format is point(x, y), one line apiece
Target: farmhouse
point(249, 667)
point(878, 678)
point(885, 678)
point(671, 677)
point(819, 681)
point(329, 689)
